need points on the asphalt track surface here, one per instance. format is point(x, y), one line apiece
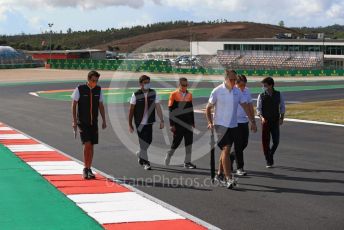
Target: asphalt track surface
point(304, 191)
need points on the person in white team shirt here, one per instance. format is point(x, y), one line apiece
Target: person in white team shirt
point(226, 98)
point(243, 129)
point(87, 103)
point(143, 104)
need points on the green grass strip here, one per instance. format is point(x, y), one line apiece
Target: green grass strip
point(28, 201)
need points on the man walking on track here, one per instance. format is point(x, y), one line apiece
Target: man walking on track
point(143, 104)
point(182, 122)
point(243, 129)
point(226, 98)
point(87, 103)
point(270, 109)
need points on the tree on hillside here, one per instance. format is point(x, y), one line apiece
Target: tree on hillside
point(281, 23)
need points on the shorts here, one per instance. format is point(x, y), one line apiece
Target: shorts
point(225, 136)
point(88, 133)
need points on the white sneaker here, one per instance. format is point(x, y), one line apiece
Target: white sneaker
point(241, 172)
point(147, 166)
point(232, 183)
point(167, 160)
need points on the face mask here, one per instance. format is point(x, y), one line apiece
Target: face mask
point(264, 88)
point(146, 86)
point(92, 84)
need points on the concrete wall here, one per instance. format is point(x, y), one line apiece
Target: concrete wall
point(206, 48)
point(98, 55)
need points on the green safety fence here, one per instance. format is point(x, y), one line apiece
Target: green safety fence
point(163, 67)
point(19, 66)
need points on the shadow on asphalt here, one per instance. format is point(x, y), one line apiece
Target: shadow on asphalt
point(292, 178)
point(161, 185)
point(271, 189)
point(186, 171)
point(309, 170)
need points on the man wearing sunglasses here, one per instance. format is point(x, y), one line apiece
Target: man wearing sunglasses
point(225, 100)
point(86, 105)
point(182, 122)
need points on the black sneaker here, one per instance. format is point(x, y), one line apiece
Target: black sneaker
point(141, 161)
point(85, 174)
point(90, 174)
point(220, 178)
point(270, 162)
point(189, 165)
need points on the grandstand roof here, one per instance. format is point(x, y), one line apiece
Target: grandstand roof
point(339, 42)
point(64, 51)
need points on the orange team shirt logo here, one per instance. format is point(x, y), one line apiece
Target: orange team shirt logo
point(178, 97)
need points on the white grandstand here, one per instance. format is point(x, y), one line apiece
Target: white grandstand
point(271, 54)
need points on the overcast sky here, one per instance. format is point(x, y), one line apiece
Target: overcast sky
point(32, 16)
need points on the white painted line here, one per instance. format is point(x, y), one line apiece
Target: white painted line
point(287, 102)
point(5, 129)
point(97, 198)
point(29, 148)
point(313, 122)
point(133, 216)
point(33, 94)
point(54, 163)
point(60, 172)
point(13, 137)
point(293, 102)
point(122, 207)
point(45, 168)
point(295, 120)
point(50, 168)
point(125, 205)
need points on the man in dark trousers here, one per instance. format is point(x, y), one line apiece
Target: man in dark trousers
point(270, 109)
point(87, 103)
point(143, 104)
point(243, 126)
point(182, 122)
